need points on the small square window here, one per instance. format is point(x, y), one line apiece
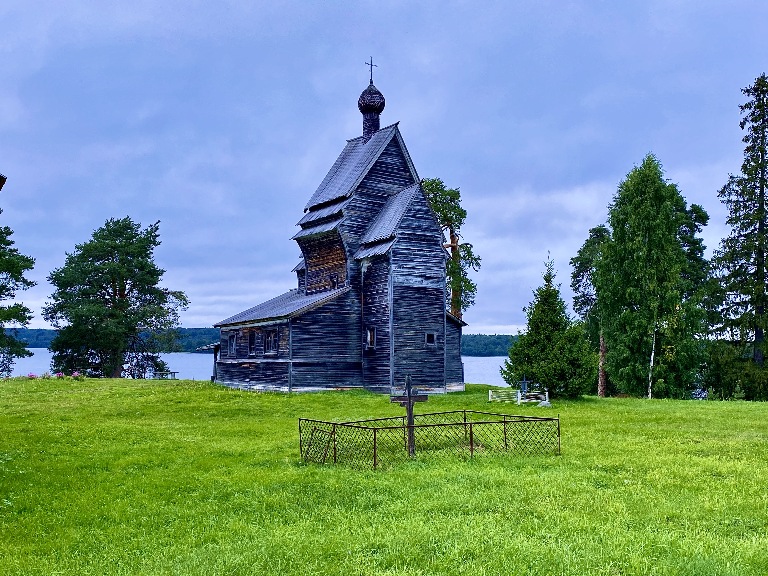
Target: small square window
point(430, 339)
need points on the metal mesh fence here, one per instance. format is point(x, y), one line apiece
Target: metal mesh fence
point(383, 442)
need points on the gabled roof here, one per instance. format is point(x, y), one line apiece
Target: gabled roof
point(380, 236)
point(353, 164)
point(386, 223)
point(292, 303)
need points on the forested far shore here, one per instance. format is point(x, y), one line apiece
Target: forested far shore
point(189, 339)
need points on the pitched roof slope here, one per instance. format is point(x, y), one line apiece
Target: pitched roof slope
point(351, 166)
point(386, 223)
point(291, 303)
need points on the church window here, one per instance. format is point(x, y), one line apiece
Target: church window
point(430, 339)
point(370, 337)
point(333, 280)
point(251, 343)
point(232, 345)
point(270, 342)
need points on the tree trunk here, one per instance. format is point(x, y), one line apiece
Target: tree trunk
point(757, 353)
point(601, 378)
point(650, 366)
point(455, 283)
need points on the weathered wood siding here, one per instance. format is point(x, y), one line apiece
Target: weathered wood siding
point(376, 314)
point(301, 276)
point(270, 374)
point(388, 175)
point(327, 336)
point(418, 298)
point(454, 367)
point(418, 311)
point(325, 257)
point(268, 369)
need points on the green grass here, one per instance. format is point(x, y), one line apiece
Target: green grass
point(163, 477)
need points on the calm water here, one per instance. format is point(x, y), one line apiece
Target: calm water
point(477, 370)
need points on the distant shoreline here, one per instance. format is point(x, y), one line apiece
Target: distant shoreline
point(192, 338)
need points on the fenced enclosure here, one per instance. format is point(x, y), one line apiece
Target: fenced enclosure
point(382, 442)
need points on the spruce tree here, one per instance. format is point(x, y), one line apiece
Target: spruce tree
point(741, 259)
point(552, 352)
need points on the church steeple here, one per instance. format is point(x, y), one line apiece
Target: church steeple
point(371, 105)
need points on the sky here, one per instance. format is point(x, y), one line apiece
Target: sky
point(220, 119)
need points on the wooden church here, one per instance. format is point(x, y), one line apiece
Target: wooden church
point(369, 307)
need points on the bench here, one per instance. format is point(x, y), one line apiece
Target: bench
point(519, 396)
point(165, 375)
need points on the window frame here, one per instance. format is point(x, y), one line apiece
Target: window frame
point(370, 338)
point(271, 341)
point(232, 345)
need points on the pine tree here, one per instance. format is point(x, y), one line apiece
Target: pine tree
point(741, 259)
point(13, 265)
point(108, 307)
point(446, 202)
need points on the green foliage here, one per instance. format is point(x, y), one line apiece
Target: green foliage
point(649, 282)
point(13, 265)
point(446, 203)
point(108, 307)
point(551, 352)
point(741, 259)
point(485, 344)
point(122, 477)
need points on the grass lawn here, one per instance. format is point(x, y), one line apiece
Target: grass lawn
point(178, 477)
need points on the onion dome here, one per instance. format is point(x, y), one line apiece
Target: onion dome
point(371, 100)
point(371, 104)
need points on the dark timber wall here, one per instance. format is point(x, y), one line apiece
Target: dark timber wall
point(327, 344)
point(418, 298)
point(246, 365)
point(376, 315)
point(454, 368)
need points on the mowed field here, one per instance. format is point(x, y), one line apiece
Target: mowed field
point(179, 477)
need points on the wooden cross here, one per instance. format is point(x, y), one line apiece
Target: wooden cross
point(407, 401)
point(371, 65)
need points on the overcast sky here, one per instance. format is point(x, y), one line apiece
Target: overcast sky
point(221, 118)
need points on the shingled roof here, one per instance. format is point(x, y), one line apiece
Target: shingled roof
point(387, 221)
point(351, 166)
point(287, 305)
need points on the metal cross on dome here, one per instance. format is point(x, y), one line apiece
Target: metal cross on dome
point(371, 65)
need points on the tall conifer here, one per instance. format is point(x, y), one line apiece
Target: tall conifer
point(741, 260)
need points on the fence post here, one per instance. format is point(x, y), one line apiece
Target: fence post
point(558, 434)
point(301, 447)
point(375, 453)
point(471, 442)
point(334, 443)
point(506, 444)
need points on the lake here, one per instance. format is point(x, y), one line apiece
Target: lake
point(477, 369)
